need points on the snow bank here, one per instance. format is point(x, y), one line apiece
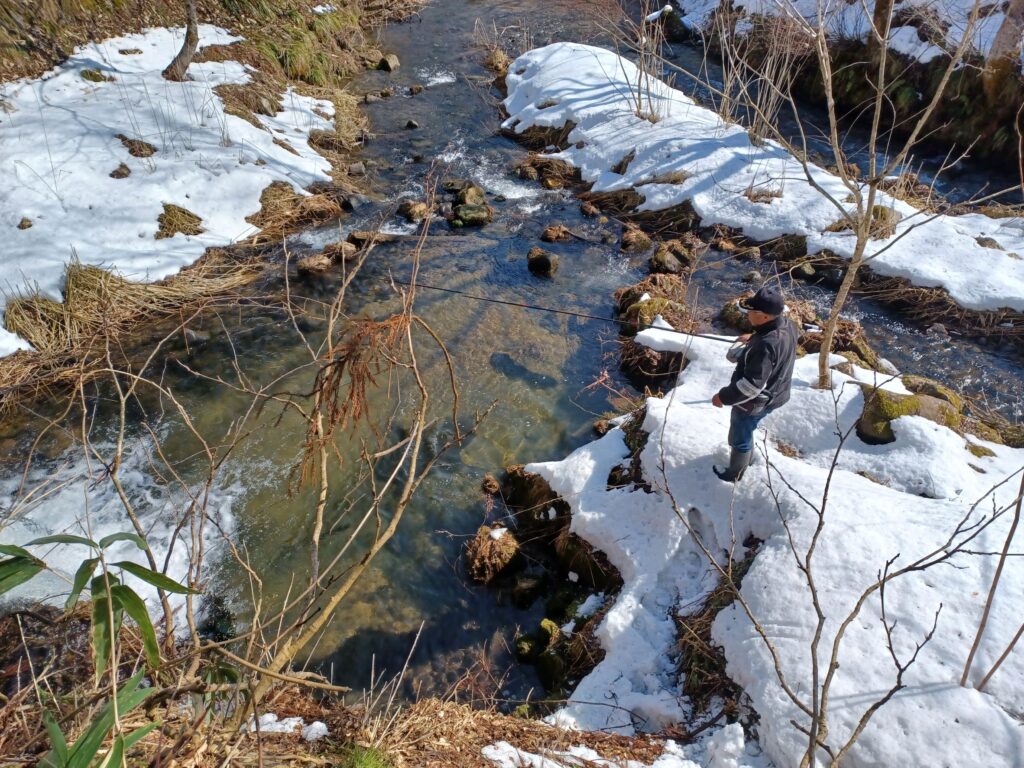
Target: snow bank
point(58, 146)
point(851, 21)
point(595, 89)
point(723, 749)
point(928, 482)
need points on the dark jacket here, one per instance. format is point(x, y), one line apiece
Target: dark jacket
point(764, 371)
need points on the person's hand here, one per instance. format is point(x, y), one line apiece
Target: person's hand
point(716, 401)
point(744, 338)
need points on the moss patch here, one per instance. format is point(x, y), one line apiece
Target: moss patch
point(95, 76)
point(882, 407)
point(979, 450)
point(177, 220)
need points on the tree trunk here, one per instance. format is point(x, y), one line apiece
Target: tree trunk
point(1002, 57)
point(178, 68)
point(881, 19)
point(824, 370)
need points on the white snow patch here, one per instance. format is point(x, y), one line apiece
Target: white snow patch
point(271, 723)
point(590, 606)
point(497, 533)
point(723, 749)
point(926, 487)
point(58, 147)
point(592, 88)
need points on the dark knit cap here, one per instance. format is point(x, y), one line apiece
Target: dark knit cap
point(768, 300)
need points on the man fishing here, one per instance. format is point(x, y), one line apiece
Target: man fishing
point(764, 372)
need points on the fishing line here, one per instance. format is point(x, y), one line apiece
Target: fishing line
point(552, 310)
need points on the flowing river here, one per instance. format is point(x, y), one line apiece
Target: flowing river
point(536, 365)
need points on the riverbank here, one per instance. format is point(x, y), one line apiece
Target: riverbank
point(815, 516)
point(177, 191)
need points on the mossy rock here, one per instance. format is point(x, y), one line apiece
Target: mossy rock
point(472, 215)
point(882, 407)
point(531, 498)
point(549, 633)
point(983, 431)
point(731, 316)
point(472, 195)
point(642, 313)
point(635, 240)
point(529, 647)
point(672, 258)
point(979, 450)
point(920, 385)
point(95, 76)
point(551, 669)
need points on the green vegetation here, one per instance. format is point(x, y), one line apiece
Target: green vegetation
point(363, 757)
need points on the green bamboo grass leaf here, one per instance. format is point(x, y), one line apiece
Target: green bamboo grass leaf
point(13, 551)
point(138, 735)
point(84, 751)
point(158, 580)
point(139, 542)
point(60, 744)
point(62, 538)
point(17, 570)
point(136, 608)
point(85, 570)
point(115, 756)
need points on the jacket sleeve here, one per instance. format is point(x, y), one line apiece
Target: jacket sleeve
point(758, 364)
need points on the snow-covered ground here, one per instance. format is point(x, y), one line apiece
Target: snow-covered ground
point(725, 748)
point(932, 482)
point(852, 21)
point(58, 146)
point(596, 90)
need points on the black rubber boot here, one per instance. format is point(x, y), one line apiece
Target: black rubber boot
point(738, 461)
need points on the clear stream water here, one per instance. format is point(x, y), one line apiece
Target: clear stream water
point(537, 366)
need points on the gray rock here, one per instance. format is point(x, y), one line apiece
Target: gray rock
point(389, 63)
point(753, 276)
point(412, 125)
point(357, 169)
point(354, 202)
point(371, 98)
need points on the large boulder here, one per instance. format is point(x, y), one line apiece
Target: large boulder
point(920, 385)
point(491, 552)
point(882, 407)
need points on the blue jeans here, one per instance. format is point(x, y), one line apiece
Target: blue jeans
point(741, 428)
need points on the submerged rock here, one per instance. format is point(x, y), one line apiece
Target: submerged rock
point(414, 210)
point(541, 262)
point(490, 553)
point(556, 233)
point(314, 264)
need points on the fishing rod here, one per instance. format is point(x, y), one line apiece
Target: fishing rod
point(569, 312)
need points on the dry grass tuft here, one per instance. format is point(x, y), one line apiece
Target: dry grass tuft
point(177, 220)
point(98, 302)
point(702, 663)
point(762, 194)
point(283, 210)
point(137, 147)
